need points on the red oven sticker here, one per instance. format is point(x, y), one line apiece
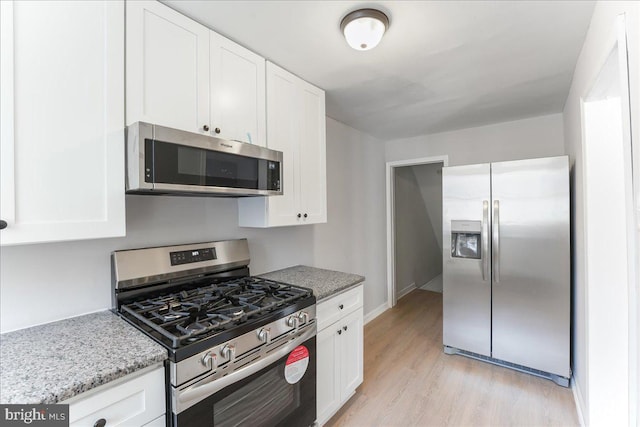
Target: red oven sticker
point(296, 364)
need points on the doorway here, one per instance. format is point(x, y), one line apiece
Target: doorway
point(414, 218)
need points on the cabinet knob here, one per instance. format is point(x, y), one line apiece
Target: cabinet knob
point(100, 423)
point(341, 306)
point(299, 215)
point(339, 332)
point(3, 224)
point(205, 128)
point(344, 328)
point(305, 215)
point(217, 130)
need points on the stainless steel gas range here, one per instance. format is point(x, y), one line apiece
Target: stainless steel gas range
point(242, 350)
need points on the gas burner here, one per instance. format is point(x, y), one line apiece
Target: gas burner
point(232, 311)
point(196, 327)
point(167, 316)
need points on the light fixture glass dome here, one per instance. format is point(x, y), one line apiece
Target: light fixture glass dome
point(363, 29)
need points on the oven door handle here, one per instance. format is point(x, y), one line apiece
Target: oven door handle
point(184, 399)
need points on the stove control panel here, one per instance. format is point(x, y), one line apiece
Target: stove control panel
point(230, 355)
point(195, 255)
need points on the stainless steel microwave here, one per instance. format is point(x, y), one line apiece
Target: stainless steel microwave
point(167, 161)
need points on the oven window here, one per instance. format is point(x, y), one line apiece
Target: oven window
point(266, 398)
point(179, 164)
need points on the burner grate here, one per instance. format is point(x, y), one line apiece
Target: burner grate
point(193, 314)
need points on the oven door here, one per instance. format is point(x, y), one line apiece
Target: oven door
point(276, 390)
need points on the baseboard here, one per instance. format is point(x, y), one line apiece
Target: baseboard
point(580, 406)
point(430, 284)
point(406, 290)
point(375, 313)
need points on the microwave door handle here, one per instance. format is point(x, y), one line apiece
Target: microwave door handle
point(485, 240)
point(496, 241)
point(209, 386)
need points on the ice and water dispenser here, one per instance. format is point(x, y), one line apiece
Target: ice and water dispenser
point(466, 239)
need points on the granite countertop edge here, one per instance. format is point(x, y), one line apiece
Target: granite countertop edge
point(57, 361)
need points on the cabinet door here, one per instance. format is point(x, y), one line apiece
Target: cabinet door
point(295, 126)
point(62, 143)
point(282, 132)
point(328, 375)
point(312, 143)
point(131, 402)
point(237, 92)
point(351, 362)
point(167, 68)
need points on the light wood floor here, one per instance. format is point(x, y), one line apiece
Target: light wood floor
point(409, 381)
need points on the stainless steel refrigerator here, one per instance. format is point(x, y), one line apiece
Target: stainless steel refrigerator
point(506, 264)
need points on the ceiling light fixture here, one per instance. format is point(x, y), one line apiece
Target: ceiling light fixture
point(364, 28)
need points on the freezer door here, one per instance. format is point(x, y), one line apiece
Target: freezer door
point(466, 192)
point(531, 287)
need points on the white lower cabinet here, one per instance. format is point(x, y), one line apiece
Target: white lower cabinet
point(161, 421)
point(340, 354)
point(135, 400)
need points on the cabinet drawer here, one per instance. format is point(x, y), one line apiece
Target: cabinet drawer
point(333, 309)
point(134, 402)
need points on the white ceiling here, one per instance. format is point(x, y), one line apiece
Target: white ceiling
point(442, 65)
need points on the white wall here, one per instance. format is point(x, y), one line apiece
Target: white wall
point(42, 283)
point(47, 282)
point(418, 256)
point(520, 139)
point(594, 52)
point(354, 237)
point(429, 178)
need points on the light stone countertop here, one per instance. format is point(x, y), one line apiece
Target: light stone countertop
point(324, 283)
point(56, 361)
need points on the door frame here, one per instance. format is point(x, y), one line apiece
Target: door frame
point(617, 40)
point(391, 202)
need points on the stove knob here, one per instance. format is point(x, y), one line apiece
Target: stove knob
point(292, 322)
point(209, 359)
point(303, 317)
point(228, 351)
point(264, 335)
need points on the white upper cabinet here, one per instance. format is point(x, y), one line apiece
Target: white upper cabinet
point(62, 121)
point(182, 75)
point(237, 92)
point(167, 68)
point(295, 126)
point(312, 146)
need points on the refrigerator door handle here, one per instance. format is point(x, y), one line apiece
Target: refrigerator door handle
point(496, 241)
point(485, 240)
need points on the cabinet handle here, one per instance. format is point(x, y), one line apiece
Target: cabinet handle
point(299, 215)
point(305, 215)
point(345, 328)
point(217, 130)
point(3, 224)
point(205, 128)
point(341, 306)
point(100, 423)
point(339, 332)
